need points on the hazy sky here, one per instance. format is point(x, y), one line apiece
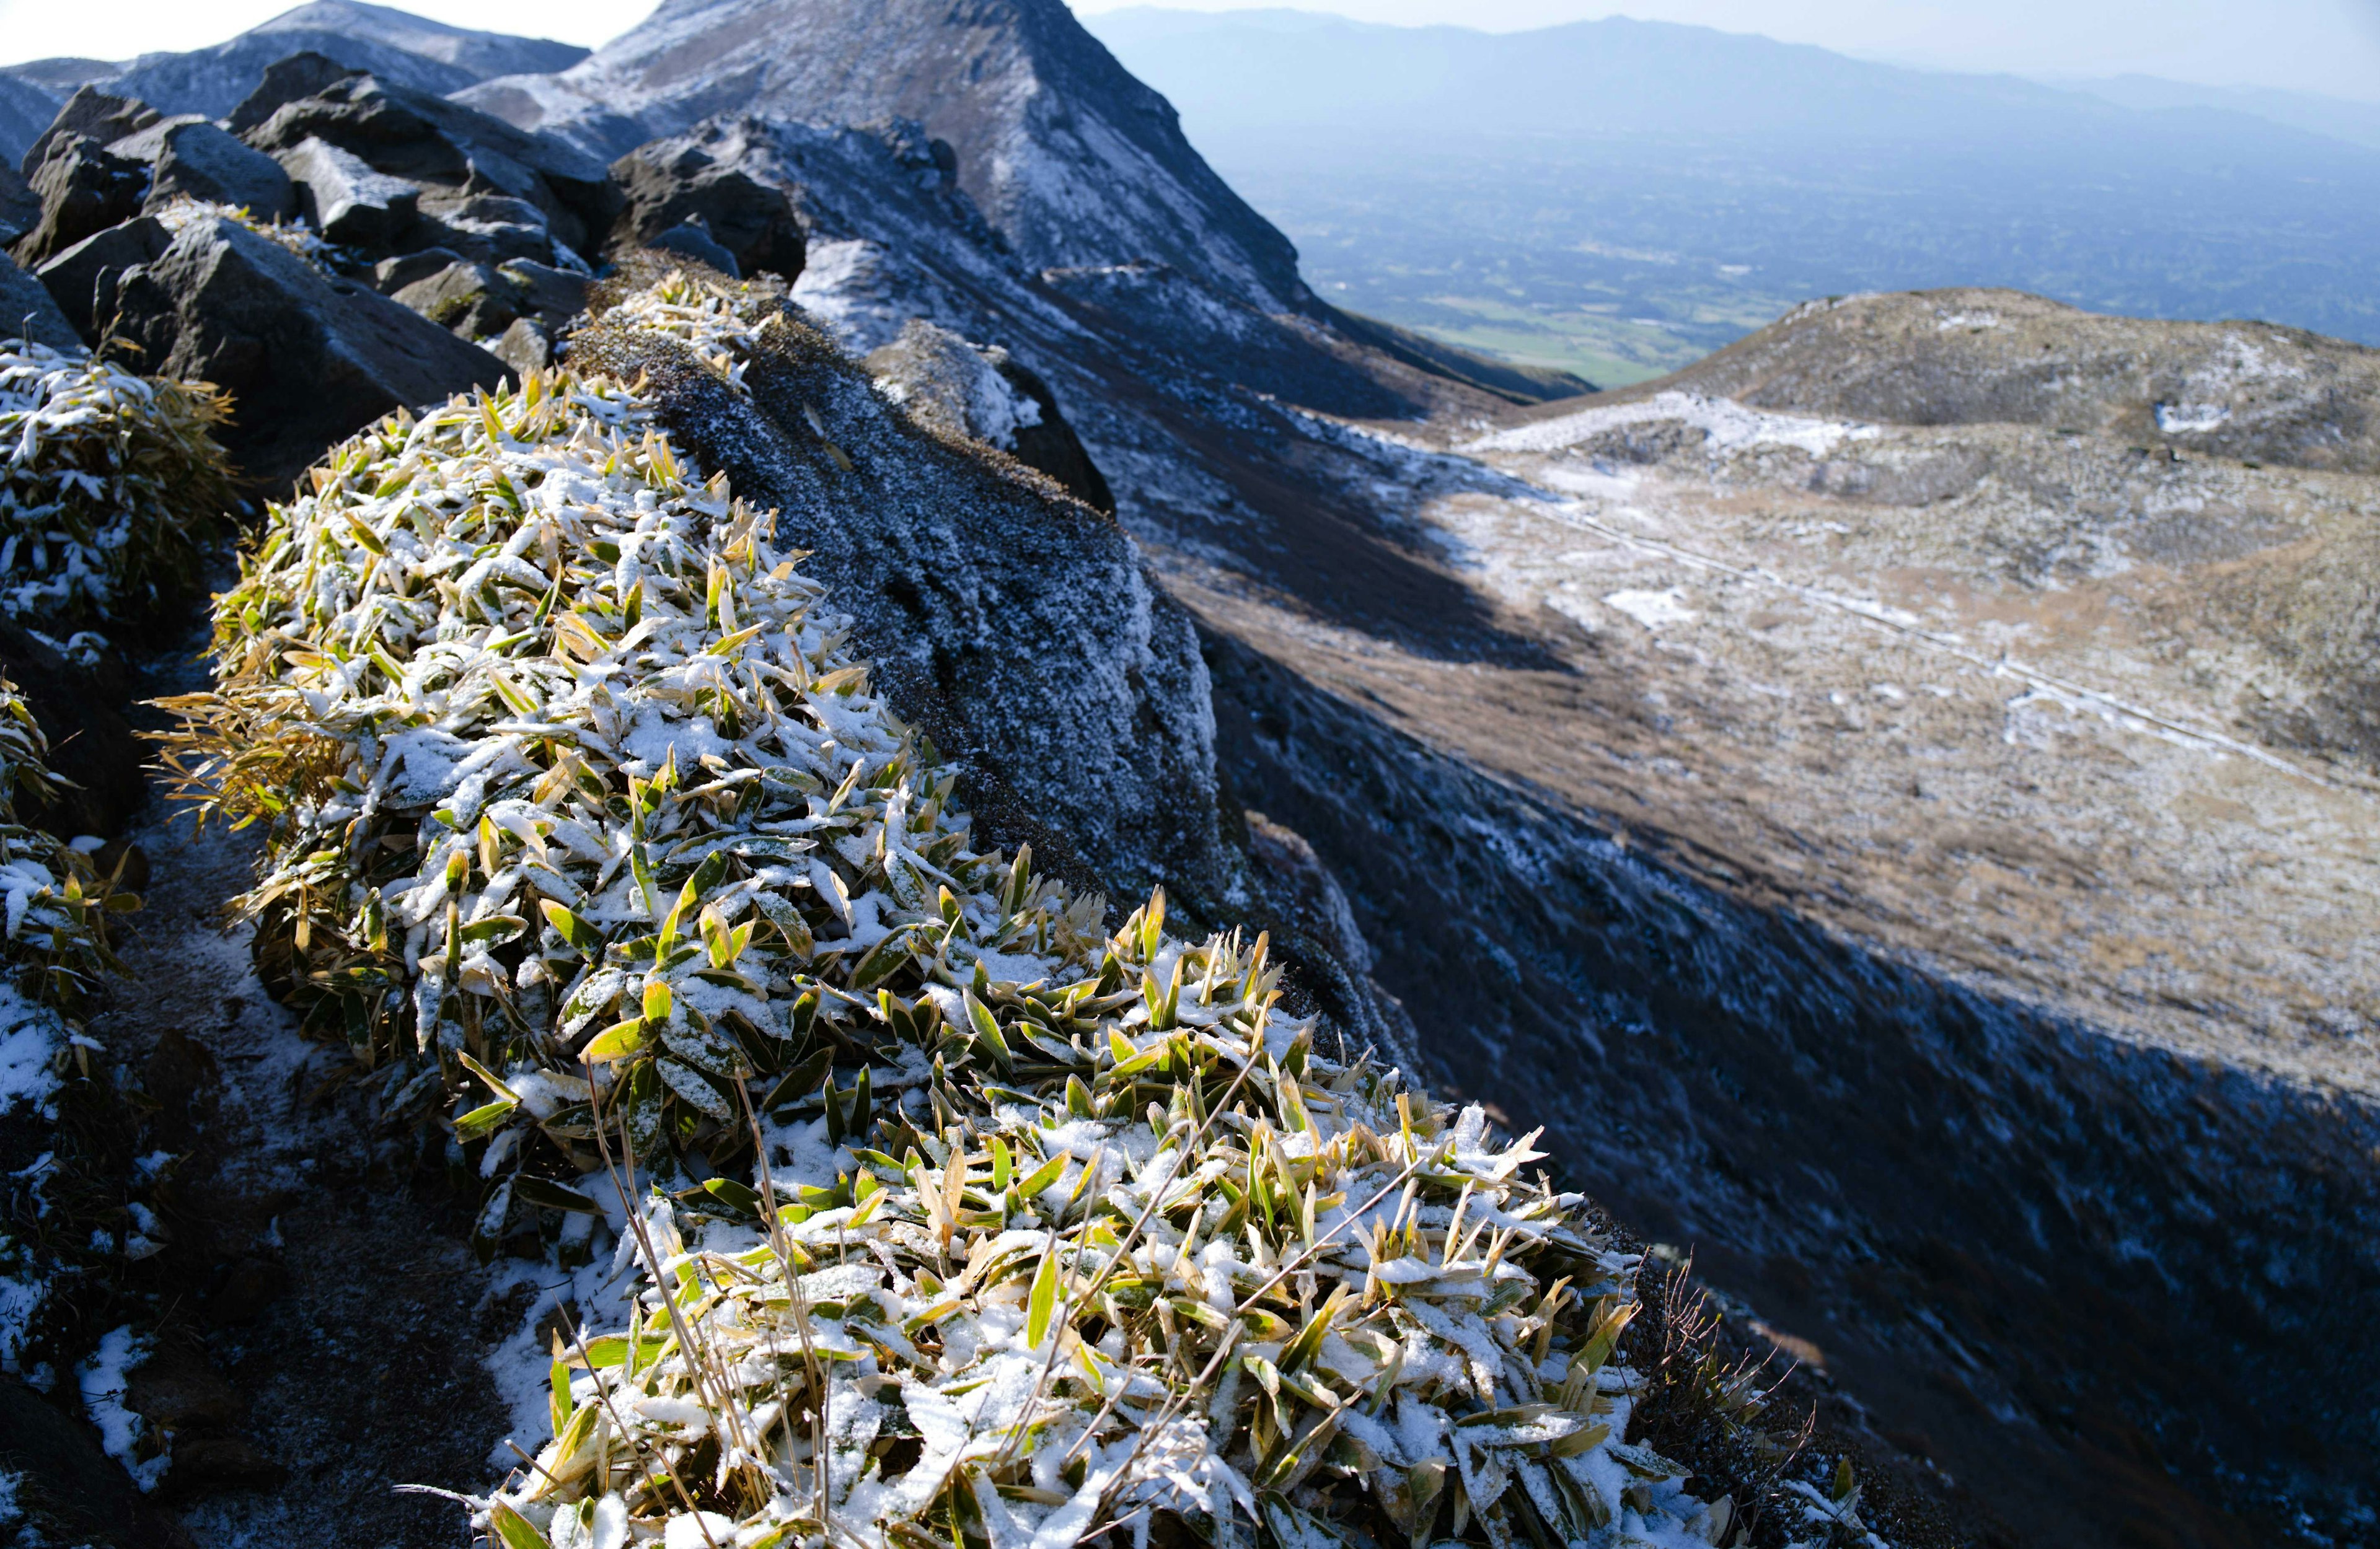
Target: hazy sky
point(2315, 45)
point(2319, 45)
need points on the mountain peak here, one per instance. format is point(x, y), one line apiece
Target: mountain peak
point(1072, 159)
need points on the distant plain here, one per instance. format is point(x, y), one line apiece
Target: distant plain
point(1621, 197)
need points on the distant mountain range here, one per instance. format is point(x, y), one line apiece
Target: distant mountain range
point(1619, 196)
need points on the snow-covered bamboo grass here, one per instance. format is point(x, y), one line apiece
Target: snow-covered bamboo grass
point(110, 483)
point(54, 955)
point(973, 1223)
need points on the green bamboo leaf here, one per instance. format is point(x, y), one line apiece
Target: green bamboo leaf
point(482, 1121)
point(615, 1043)
point(515, 1529)
point(1043, 1177)
point(581, 936)
point(1042, 1302)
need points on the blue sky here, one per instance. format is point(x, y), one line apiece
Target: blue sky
point(2331, 46)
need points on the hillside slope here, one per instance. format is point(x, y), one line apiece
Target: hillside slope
point(1072, 160)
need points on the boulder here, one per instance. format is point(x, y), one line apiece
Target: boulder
point(204, 163)
point(554, 295)
point(91, 113)
point(284, 80)
point(958, 389)
point(307, 359)
point(393, 274)
point(29, 312)
point(438, 145)
point(491, 228)
point(689, 240)
point(20, 208)
point(148, 144)
point(82, 279)
point(84, 188)
point(468, 299)
point(344, 198)
point(528, 346)
point(671, 182)
point(478, 301)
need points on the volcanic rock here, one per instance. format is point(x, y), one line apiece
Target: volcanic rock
point(93, 112)
point(956, 388)
point(307, 359)
point(451, 153)
point(688, 240)
point(29, 312)
point(84, 188)
point(204, 163)
point(671, 182)
point(82, 279)
point(344, 198)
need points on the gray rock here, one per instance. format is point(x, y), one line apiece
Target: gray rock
point(1021, 630)
point(490, 228)
point(393, 274)
point(307, 361)
point(439, 144)
point(93, 113)
point(555, 295)
point(344, 198)
point(528, 346)
point(82, 279)
point(148, 144)
point(956, 388)
point(691, 241)
point(84, 190)
point(20, 208)
point(470, 300)
point(204, 163)
point(285, 81)
point(29, 312)
point(673, 181)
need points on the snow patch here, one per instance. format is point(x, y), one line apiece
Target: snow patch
point(1730, 425)
point(106, 1376)
point(1653, 610)
point(2185, 419)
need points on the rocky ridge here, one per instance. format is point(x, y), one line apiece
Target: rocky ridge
point(1581, 695)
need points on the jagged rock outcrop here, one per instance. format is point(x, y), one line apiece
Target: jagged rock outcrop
point(201, 162)
point(479, 187)
point(89, 112)
point(307, 359)
point(671, 183)
point(2254, 391)
point(984, 394)
point(84, 188)
point(1019, 628)
point(1070, 158)
point(82, 279)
